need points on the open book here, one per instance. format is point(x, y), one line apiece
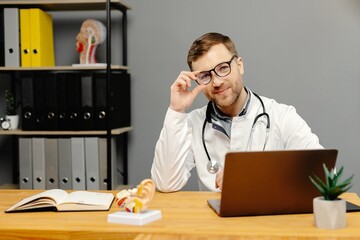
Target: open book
point(60, 200)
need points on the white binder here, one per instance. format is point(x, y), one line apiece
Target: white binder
point(92, 163)
point(65, 165)
point(51, 163)
point(78, 163)
point(103, 164)
point(38, 156)
point(11, 35)
point(25, 163)
point(114, 164)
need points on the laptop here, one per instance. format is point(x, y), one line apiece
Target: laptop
point(271, 182)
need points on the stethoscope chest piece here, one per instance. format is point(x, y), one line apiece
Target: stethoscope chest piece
point(213, 166)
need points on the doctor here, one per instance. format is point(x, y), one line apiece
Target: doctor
point(235, 119)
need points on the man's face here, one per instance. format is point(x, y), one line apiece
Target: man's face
point(224, 91)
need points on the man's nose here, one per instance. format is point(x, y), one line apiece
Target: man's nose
point(217, 81)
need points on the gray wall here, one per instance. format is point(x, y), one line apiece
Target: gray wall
point(304, 53)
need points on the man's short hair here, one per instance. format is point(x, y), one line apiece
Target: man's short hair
point(203, 44)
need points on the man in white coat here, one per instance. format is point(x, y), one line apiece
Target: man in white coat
point(235, 119)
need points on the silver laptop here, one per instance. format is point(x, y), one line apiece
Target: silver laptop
point(271, 182)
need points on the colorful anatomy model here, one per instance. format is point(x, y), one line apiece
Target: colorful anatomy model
point(92, 33)
point(137, 199)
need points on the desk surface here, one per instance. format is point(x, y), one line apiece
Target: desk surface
point(185, 215)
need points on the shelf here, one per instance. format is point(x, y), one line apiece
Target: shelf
point(63, 68)
point(68, 5)
point(19, 132)
point(80, 5)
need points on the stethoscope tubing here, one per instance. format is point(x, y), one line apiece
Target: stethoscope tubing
point(213, 166)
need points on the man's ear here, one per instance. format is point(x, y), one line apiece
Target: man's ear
point(240, 64)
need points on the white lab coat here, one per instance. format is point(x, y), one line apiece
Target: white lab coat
point(180, 148)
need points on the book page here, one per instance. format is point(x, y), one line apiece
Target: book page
point(44, 199)
point(38, 203)
point(82, 200)
point(84, 197)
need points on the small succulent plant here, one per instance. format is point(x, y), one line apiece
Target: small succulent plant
point(11, 105)
point(332, 187)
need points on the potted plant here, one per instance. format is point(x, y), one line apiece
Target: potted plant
point(329, 209)
point(10, 110)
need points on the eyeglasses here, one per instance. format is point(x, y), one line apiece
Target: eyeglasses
point(221, 70)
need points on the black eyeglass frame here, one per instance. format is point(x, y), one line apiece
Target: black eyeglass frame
point(213, 70)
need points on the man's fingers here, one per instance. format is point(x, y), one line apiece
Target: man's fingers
point(185, 78)
point(198, 89)
point(219, 179)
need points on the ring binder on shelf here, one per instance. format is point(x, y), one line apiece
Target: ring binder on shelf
point(51, 103)
point(120, 100)
point(11, 35)
point(27, 103)
point(25, 163)
point(86, 117)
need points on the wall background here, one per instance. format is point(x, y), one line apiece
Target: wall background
point(304, 53)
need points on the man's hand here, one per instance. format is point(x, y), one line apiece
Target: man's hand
point(181, 96)
point(219, 179)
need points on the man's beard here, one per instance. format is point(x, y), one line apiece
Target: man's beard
point(227, 102)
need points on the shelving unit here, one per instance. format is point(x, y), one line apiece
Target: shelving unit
point(62, 68)
point(81, 5)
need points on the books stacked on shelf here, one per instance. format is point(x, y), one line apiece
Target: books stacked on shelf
point(78, 163)
point(74, 101)
point(27, 36)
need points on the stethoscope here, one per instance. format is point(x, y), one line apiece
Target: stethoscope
point(213, 166)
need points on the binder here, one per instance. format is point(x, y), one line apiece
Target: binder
point(41, 38)
point(50, 109)
point(114, 164)
point(51, 163)
point(92, 163)
point(11, 35)
point(78, 163)
point(100, 101)
point(39, 100)
point(73, 106)
point(64, 165)
point(27, 102)
point(25, 38)
point(62, 116)
point(38, 156)
point(103, 164)
point(120, 100)
point(2, 38)
point(36, 38)
point(25, 163)
point(86, 118)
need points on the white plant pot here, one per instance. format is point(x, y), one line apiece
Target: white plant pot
point(14, 121)
point(329, 214)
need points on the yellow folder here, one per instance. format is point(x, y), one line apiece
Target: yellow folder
point(36, 36)
point(41, 38)
point(25, 37)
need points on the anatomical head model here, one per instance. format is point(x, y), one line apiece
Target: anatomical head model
point(137, 199)
point(92, 33)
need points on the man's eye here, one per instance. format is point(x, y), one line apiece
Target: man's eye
point(204, 76)
point(223, 68)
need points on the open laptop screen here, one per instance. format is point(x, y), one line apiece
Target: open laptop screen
point(272, 182)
